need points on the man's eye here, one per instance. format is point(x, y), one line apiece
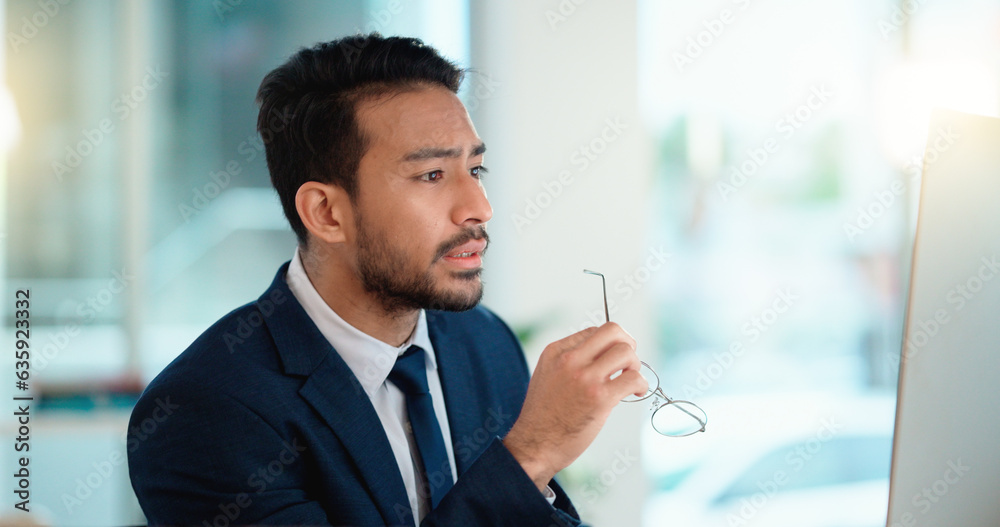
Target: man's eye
point(432, 176)
point(478, 172)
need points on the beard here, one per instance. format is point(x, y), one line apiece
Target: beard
point(387, 272)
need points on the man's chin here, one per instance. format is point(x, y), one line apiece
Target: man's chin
point(462, 299)
point(469, 275)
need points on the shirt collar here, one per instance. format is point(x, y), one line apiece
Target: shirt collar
point(370, 359)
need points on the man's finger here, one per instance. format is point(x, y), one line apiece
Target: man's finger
point(630, 382)
point(603, 338)
point(572, 341)
point(619, 356)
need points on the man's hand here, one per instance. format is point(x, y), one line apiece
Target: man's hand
point(570, 397)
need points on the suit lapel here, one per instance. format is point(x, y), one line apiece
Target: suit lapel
point(346, 408)
point(460, 394)
point(335, 393)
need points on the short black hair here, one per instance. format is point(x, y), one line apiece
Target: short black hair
point(307, 117)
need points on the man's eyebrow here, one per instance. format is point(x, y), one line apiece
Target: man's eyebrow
point(436, 153)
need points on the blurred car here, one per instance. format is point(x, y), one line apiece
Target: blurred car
point(798, 460)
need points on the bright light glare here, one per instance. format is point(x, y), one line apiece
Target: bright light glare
point(906, 94)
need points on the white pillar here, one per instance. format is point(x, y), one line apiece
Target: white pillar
point(565, 103)
point(136, 157)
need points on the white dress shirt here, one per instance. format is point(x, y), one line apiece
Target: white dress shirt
point(371, 360)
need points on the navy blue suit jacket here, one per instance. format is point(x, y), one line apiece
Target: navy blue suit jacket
point(261, 421)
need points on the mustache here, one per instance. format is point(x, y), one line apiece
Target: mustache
point(475, 233)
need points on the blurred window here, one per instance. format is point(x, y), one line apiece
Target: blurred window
point(841, 461)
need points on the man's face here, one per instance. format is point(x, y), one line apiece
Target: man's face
point(421, 210)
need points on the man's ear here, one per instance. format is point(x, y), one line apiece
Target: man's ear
point(325, 210)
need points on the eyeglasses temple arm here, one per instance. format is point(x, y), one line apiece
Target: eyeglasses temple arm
point(604, 287)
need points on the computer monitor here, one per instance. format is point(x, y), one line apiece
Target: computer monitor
point(946, 450)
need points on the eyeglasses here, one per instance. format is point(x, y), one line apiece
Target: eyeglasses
point(671, 417)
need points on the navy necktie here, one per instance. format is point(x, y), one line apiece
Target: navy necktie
point(410, 376)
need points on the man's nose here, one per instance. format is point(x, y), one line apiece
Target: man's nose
point(472, 206)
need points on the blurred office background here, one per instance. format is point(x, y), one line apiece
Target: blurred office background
point(744, 172)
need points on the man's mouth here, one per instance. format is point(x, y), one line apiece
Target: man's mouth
point(465, 244)
point(468, 255)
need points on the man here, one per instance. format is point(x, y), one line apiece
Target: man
point(365, 387)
